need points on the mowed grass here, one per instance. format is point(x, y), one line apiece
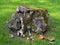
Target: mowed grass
point(7, 7)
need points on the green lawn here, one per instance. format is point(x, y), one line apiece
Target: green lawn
point(7, 7)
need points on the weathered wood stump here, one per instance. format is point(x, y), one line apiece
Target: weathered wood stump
point(26, 19)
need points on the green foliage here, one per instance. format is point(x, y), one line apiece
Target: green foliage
point(7, 7)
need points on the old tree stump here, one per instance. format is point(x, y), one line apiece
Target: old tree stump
point(29, 20)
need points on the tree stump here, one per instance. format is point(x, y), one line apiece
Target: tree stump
point(36, 18)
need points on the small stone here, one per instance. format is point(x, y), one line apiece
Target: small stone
point(41, 36)
point(51, 42)
point(23, 35)
point(27, 38)
point(51, 39)
point(31, 38)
